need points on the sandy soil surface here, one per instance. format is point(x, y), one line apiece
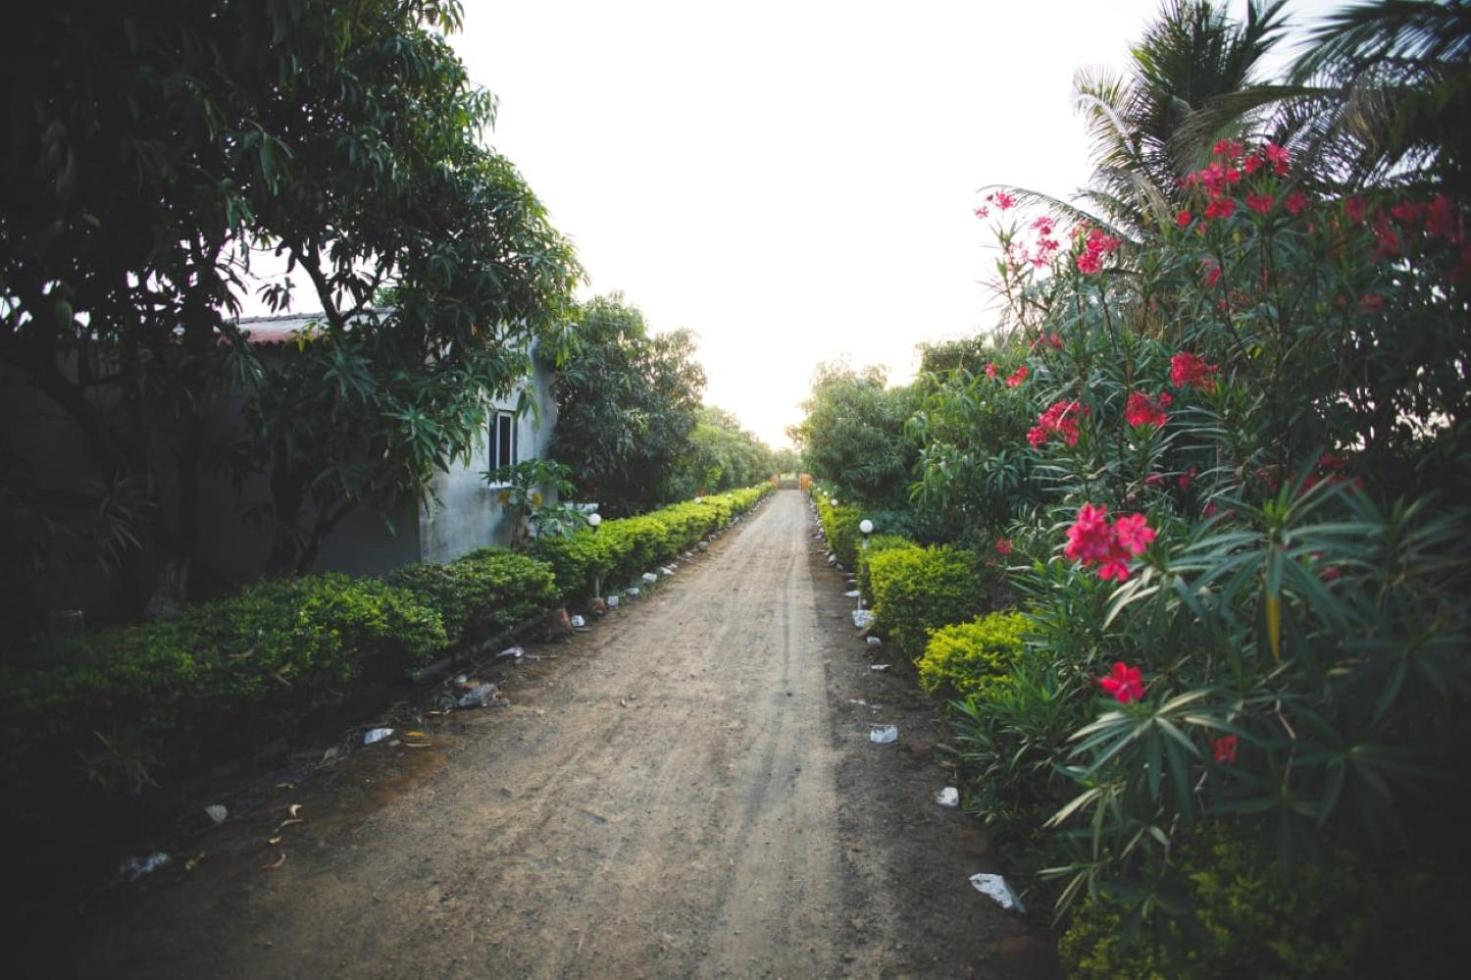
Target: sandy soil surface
point(687, 789)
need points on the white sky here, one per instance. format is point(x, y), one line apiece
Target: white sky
point(792, 180)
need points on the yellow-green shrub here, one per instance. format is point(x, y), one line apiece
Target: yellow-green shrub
point(916, 590)
point(975, 657)
point(840, 526)
point(875, 544)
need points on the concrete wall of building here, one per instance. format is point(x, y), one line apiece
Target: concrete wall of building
point(467, 514)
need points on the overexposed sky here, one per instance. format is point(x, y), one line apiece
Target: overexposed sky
point(791, 180)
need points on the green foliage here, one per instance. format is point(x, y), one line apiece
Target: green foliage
point(482, 594)
point(1342, 918)
point(224, 676)
point(840, 527)
point(917, 590)
point(528, 494)
point(853, 436)
point(721, 456)
point(876, 544)
point(973, 658)
point(620, 550)
point(627, 403)
point(347, 139)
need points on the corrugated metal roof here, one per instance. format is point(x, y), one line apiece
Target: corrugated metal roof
point(276, 329)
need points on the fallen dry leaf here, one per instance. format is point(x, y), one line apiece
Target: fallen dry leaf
point(274, 840)
point(278, 862)
point(294, 810)
point(415, 735)
point(287, 823)
point(193, 862)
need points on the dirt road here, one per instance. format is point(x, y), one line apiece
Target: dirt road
point(686, 790)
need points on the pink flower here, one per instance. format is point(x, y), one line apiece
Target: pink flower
point(1278, 156)
point(1187, 369)
point(1060, 418)
point(1004, 546)
point(1133, 534)
point(1210, 274)
point(983, 212)
point(1185, 478)
point(1017, 377)
point(1154, 480)
point(1222, 207)
point(1295, 203)
point(1089, 538)
point(1230, 149)
point(1043, 225)
point(1260, 203)
point(1183, 219)
point(1125, 683)
point(991, 370)
point(1002, 200)
point(1142, 410)
point(1355, 207)
point(1223, 749)
point(1089, 263)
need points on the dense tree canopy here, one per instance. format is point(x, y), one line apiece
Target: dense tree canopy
point(853, 434)
point(627, 402)
point(154, 148)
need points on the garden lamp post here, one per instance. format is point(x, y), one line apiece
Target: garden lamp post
point(593, 520)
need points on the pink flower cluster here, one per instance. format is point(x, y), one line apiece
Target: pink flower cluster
point(1125, 683)
point(1189, 371)
point(1092, 540)
point(1142, 410)
point(1095, 247)
point(1060, 419)
point(1219, 177)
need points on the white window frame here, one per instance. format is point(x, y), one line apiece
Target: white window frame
point(494, 442)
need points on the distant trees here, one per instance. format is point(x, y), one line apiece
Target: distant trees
point(853, 434)
point(721, 456)
point(155, 148)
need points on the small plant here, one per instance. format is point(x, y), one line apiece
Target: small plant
point(526, 491)
point(973, 658)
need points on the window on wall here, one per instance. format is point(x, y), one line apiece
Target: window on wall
point(503, 439)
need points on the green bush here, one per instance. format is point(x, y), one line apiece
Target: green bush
point(1338, 918)
point(973, 658)
point(622, 549)
point(876, 543)
point(840, 525)
point(483, 593)
point(160, 697)
point(916, 590)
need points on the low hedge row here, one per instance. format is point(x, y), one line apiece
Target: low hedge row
point(840, 527)
point(917, 590)
point(622, 549)
point(136, 704)
point(486, 592)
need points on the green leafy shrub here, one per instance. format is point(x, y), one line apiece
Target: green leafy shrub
point(876, 543)
point(840, 526)
point(1341, 918)
point(975, 657)
point(483, 593)
point(224, 676)
point(622, 549)
point(916, 590)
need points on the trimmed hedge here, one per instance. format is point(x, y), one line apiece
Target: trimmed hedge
point(973, 658)
point(155, 699)
point(486, 592)
point(621, 550)
point(917, 590)
point(876, 544)
point(840, 526)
